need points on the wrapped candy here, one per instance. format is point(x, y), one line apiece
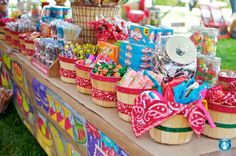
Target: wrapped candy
point(217, 95)
point(77, 51)
point(21, 25)
point(110, 28)
point(226, 79)
point(140, 79)
point(109, 69)
point(47, 50)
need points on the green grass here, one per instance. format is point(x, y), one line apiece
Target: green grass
point(226, 49)
point(15, 138)
point(168, 2)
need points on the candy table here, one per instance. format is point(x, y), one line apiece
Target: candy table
point(63, 120)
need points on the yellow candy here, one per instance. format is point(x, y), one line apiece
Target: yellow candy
point(66, 47)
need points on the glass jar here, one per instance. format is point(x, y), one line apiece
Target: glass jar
point(209, 41)
point(196, 37)
point(201, 67)
point(213, 69)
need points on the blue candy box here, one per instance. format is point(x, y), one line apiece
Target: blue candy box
point(158, 32)
point(135, 65)
point(142, 35)
point(135, 52)
point(166, 31)
point(134, 55)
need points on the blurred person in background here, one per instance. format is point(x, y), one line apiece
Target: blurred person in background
point(233, 6)
point(3, 8)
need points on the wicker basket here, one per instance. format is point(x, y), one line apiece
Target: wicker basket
point(225, 121)
point(104, 90)
point(67, 69)
point(83, 80)
point(82, 15)
point(174, 131)
point(125, 98)
point(15, 39)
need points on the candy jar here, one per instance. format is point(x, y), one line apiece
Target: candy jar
point(209, 41)
point(213, 70)
point(201, 67)
point(196, 37)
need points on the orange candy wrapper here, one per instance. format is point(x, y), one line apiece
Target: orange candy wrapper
point(112, 51)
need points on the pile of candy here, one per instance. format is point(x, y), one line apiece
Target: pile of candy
point(217, 95)
point(22, 25)
point(76, 51)
point(226, 79)
point(46, 50)
point(99, 3)
point(140, 79)
point(109, 69)
point(110, 28)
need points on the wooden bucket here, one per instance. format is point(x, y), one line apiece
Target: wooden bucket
point(67, 69)
point(29, 47)
point(104, 90)
point(83, 79)
point(224, 118)
point(7, 35)
point(2, 33)
point(224, 81)
point(174, 131)
point(15, 39)
point(22, 44)
point(125, 100)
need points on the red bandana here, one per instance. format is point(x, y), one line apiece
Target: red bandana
point(148, 113)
